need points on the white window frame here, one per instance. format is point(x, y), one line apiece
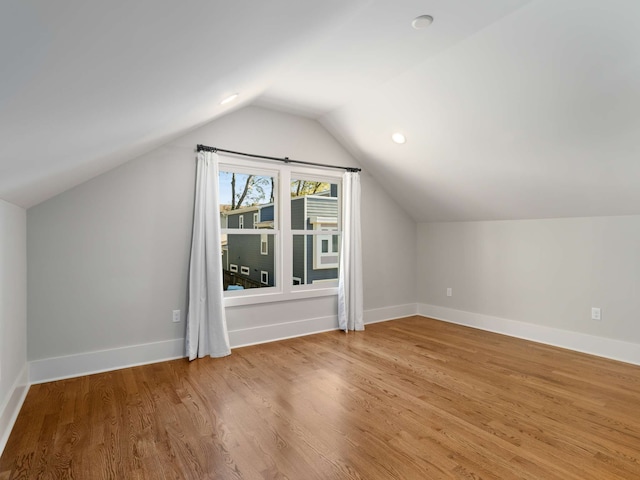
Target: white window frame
point(264, 244)
point(264, 277)
point(284, 290)
point(244, 270)
point(256, 219)
point(325, 225)
point(233, 268)
point(241, 220)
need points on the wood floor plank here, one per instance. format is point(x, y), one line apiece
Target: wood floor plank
point(408, 399)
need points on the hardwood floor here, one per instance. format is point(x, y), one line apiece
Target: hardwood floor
point(407, 399)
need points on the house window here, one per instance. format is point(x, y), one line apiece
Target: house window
point(233, 268)
point(294, 238)
point(326, 247)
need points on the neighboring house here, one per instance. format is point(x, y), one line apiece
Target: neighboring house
point(248, 260)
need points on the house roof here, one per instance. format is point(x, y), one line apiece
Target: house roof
point(511, 108)
point(236, 211)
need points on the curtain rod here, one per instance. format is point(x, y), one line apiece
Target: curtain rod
point(204, 148)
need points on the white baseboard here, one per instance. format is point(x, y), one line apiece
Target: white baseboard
point(581, 342)
point(58, 368)
point(13, 404)
point(281, 331)
point(390, 313)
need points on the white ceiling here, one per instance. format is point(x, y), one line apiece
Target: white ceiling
point(511, 108)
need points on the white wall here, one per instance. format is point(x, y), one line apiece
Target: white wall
point(108, 259)
point(13, 315)
point(547, 273)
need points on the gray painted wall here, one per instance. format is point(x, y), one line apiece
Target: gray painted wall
point(108, 259)
point(544, 272)
point(13, 298)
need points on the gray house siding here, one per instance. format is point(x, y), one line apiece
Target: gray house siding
point(298, 257)
point(322, 207)
point(234, 220)
point(244, 251)
point(297, 213)
point(266, 213)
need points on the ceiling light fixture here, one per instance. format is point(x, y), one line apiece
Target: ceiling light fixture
point(230, 98)
point(423, 21)
point(398, 138)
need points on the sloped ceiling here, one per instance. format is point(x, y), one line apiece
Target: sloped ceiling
point(511, 108)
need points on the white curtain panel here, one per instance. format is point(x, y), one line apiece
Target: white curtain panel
point(350, 305)
point(206, 321)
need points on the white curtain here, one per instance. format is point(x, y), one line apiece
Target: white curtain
point(206, 322)
point(350, 309)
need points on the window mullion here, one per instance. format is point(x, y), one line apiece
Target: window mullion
point(285, 272)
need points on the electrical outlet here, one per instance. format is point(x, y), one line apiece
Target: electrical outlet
point(176, 316)
point(596, 314)
point(449, 292)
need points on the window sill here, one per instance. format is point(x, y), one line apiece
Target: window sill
point(271, 297)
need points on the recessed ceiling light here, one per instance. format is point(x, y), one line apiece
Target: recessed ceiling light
point(398, 138)
point(423, 21)
point(230, 98)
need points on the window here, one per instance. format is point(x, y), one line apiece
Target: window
point(245, 201)
point(292, 245)
point(315, 212)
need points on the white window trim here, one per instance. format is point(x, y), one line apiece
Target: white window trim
point(256, 219)
point(284, 290)
point(264, 277)
point(264, 242)
point(233, 268)
point(324, 224)
point(244, 270)
point(241, 217)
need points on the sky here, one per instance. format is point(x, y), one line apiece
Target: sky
point(241, 179)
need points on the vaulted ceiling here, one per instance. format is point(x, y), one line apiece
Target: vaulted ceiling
point(511, 108)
